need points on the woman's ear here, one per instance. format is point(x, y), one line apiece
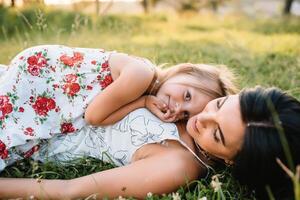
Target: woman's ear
point(229, 162)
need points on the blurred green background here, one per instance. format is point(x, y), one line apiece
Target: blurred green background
point(259, 40)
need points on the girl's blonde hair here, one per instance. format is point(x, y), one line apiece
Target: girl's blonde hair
point(215, 81)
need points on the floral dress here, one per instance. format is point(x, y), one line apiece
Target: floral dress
point(45, 91)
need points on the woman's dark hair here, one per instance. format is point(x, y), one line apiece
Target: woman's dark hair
point(255, 164)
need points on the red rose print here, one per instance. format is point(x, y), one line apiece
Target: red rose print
point(105, 64)
point(43, 105)
point(93, 62)
point(53, 68)
point(42, 62)
point(38, 61)
point(77, 56)
point(67, 128)
point(3, 150)
point(71, 78)
point(21, 109)
point(5, 106)
point(67, 60)
point(89, 87)
point(106, 81)
point(57, 109)
point(71, 61)
point(55, 86)
point(3, 100)
point(32, 60)
point(51, 104)
point(31, 151)
point(31, 99)
point(34, 70)
point(29, 131)
point(71, 88)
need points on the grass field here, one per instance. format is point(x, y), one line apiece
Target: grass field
point(260, 51)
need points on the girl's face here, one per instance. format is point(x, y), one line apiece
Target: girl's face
point(182, 100)
point(219, 129)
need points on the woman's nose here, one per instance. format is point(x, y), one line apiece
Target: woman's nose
point(206, 116)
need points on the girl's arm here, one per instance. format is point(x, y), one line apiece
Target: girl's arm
point(150, 174)
point(123, 111)
point(133, 78)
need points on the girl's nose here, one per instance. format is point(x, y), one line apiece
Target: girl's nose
point(177, 108)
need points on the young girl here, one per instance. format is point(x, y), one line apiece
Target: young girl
point(55, 89)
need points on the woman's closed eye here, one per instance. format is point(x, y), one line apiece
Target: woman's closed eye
point(216, 138)
point(217, 134)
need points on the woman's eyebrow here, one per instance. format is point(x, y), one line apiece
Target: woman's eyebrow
point(223, 101)
point(220, 130)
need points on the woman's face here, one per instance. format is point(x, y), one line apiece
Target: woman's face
point(182, 100)
point(219, 129)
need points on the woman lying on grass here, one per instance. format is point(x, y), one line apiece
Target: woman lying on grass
point(244, 131)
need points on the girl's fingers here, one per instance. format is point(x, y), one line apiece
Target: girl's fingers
point(161, 105)
point(167, 114)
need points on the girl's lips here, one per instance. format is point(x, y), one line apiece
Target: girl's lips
point(168, 104)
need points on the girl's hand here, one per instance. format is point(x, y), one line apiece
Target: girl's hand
point(159, 108)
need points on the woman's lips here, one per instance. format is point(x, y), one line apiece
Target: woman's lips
point(193, 124)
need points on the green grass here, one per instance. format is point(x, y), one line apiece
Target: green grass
point(262, 52)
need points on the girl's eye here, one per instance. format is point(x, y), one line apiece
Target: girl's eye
point(215, 136)
point(187, 96)
point(219, 103)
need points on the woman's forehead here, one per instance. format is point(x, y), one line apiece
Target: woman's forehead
point(230, 120)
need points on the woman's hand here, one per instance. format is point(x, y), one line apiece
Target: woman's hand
point(159, 108)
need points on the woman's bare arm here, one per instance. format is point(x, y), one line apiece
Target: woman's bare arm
point(160, 173)
point(134, 77)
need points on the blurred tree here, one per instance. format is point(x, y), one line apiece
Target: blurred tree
point(12, 3)
point(97, 7)
point(41, 2)
point(287, 7)
point(196, 5)
point(149, 4)
point(215, 4)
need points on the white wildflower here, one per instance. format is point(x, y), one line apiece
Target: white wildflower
point(202, 198)
point(215, 183)
point(121, 198)
point(176, 196)
point(149, 194)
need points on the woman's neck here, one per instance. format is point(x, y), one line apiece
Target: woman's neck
point(184, 136)
point(189, 141)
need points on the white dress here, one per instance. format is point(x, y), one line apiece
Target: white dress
point(44, 92)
